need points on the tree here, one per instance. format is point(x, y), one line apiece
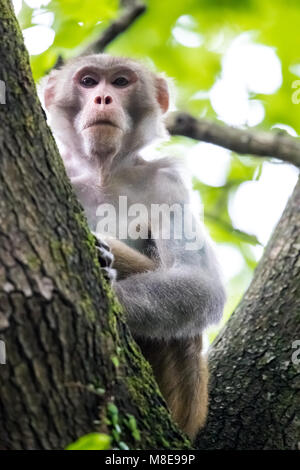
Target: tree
point(255, 399)
point(56, 312)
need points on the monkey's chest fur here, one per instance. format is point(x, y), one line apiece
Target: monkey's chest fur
point(121, 208)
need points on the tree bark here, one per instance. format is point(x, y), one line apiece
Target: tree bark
point(255, 385)
point(69, 353)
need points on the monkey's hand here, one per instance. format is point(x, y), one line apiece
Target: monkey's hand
point(105, 258)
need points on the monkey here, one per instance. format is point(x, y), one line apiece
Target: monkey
point(103, 110)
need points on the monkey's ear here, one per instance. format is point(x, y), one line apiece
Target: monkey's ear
point(49, 89)
point(162, 93)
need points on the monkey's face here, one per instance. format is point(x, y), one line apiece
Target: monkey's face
point(110, 105)
point(104, 97)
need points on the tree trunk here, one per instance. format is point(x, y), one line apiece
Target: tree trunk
point(255, 385)
point(69, 353)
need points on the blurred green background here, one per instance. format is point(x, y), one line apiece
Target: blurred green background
point(231, 60)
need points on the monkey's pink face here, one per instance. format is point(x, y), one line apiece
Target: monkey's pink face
point(101, 106)
point(104, 97)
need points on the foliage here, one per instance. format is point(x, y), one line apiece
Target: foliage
point(93, 441)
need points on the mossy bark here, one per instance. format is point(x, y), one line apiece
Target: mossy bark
point(255, 381)
point(69, 353)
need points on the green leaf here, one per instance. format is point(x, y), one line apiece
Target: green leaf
point(93, 441)
point(112, 409)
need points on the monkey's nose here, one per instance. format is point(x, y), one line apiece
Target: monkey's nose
point(103, 100)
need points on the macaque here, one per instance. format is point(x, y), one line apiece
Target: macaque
point(103, 111)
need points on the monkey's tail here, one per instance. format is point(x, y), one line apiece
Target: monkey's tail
point(191, 414)
point(182, 375)
point(188, 400)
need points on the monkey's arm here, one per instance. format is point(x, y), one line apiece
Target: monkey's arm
point(171, 303)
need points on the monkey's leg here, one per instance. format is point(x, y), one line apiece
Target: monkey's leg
point(182, 375)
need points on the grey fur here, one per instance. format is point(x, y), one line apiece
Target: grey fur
point(185, 294)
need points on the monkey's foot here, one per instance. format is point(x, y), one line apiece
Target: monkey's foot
point(105, 258)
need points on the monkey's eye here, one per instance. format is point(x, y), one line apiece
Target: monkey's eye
point(120, 81)
point(88, 81)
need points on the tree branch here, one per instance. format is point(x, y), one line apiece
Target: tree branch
point(258, 143)
point(131, 13)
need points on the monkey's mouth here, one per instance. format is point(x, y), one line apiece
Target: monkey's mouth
point(100, 122)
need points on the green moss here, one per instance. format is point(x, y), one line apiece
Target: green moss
point(141, 388)
point(86, 305)
point(138, 359)
point(33, 262)
point(61, 249)
point(115, 361)
point(82, 222)
point(165, 443)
